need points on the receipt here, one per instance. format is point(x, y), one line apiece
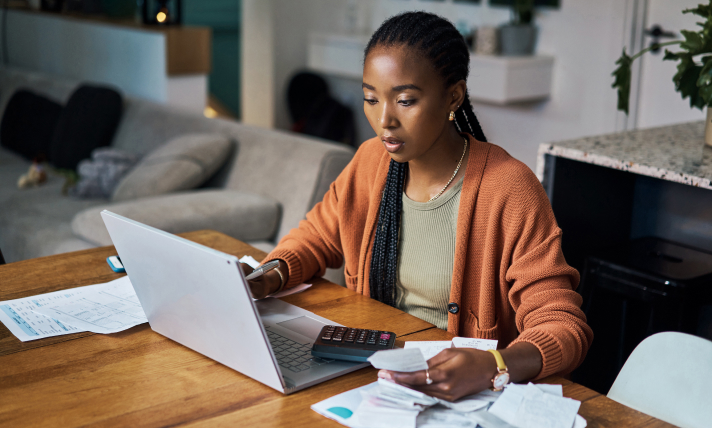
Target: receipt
point(374, 413)
point(440, 418)
point(388, 388)
point(469, 342)
point(429, 348)
point(530, 407)
point(466, 404)
point(399, 360)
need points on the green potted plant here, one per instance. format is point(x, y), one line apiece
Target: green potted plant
point(519, 36)
point(693, 79)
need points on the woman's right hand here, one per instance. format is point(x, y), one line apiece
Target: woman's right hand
point(266, 284)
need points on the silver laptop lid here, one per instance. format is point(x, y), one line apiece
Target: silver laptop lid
point(196, 296)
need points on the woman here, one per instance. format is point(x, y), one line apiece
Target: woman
point(432, 219)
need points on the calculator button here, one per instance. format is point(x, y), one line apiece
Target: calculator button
point(385, 336)
point(337, 339)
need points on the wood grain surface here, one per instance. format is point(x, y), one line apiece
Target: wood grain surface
point(140, 378)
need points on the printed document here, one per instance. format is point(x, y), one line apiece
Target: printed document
point(107, 308)
point(26, 325)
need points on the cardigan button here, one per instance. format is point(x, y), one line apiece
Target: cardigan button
point(453, 308)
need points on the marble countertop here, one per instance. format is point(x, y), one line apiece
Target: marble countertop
point(675, 153)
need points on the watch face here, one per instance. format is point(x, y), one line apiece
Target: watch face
point(500, 381)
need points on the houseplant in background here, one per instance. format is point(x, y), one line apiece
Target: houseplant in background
point(519, 36)
point(693, 79)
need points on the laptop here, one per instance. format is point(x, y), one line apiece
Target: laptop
point(198, 297)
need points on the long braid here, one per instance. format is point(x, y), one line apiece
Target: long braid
point(468, 114)
point(385, 246)
point(437, 40)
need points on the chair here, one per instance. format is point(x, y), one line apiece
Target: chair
point(669, 376)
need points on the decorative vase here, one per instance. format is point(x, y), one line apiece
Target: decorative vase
point(517, 40)
point(487, 40)
point(708, 128)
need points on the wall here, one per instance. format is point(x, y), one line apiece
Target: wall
point(224, 18)
point(258, 63)
point(586, 37)
point(132, 59)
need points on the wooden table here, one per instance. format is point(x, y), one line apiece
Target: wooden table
point(140, 378)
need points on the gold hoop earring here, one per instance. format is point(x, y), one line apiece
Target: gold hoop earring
point(452, 116)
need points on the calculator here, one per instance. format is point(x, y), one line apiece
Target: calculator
point(351, 344)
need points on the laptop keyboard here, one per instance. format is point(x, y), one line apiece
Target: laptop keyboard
point(293, 355)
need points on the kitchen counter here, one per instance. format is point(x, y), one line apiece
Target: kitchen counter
point(674, 153)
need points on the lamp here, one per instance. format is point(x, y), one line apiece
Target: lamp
point(161, 12)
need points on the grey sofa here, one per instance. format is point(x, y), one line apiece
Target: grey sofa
point(266, 187)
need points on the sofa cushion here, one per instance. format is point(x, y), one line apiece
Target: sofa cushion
point(99, 176)
point(88, 121)
point(181, 164)
point(241, 215)
point(28, 124)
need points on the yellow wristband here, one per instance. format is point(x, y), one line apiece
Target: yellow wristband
point(499, 359)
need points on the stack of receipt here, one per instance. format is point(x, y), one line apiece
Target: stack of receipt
point(389, 405)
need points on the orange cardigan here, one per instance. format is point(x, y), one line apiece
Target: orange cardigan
point(510, 280)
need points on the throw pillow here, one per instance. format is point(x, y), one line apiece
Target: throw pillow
point(88, 121)
point(183, 163)
point(99, 176)
point(28, 124)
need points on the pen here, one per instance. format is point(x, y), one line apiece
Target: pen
point(263, 269)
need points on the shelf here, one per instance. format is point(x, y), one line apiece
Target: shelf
point(507, 80)
point(337, 54)
point(493, 79)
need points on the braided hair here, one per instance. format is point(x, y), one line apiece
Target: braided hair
point(436, 39)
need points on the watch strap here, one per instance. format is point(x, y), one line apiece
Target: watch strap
point(500, 361)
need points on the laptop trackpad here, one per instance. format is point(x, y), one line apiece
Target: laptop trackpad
point(304, 325)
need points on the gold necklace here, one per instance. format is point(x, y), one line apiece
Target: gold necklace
point(453, 174)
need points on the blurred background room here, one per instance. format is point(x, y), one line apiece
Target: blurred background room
point(236, 115)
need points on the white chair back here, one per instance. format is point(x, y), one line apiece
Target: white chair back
point(669, 376)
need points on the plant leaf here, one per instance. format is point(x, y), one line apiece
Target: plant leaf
point(622, 76)
point(670, 56)
point(687, 85)
point(693, 41)
point(705, 78)
point(701, 10)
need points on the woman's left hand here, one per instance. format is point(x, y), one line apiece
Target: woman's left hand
point(455, 372)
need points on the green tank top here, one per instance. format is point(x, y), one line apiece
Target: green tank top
point(426, 254)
